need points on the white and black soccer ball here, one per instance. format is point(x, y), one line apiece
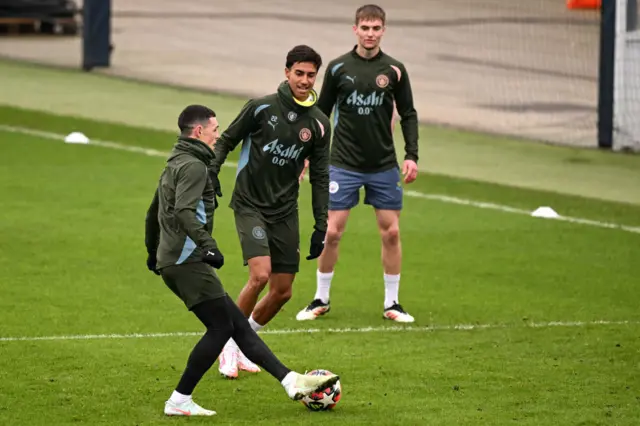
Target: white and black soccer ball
point(326, 399)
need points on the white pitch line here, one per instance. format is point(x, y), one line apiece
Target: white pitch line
point(426, 329)
point(410, 193)
point(507, 209)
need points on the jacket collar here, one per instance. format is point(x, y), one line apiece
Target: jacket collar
point(195, 147)
point(292, 104)
point(374, 58)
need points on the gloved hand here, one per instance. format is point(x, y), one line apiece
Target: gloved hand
point(214, 258)
point(317, 244)
point(152, 262)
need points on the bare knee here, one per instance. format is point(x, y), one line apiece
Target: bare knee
point(335, 227)
point(259, 277)
point(281, 295)
point(333, 237)
point(280, 289)
point(390, 236)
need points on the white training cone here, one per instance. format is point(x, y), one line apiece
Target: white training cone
point(76, 137)
point(546, 212)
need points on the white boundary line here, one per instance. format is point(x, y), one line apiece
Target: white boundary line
point(426, 329)
point(409, 193)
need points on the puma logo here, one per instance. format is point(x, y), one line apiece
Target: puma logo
point(351, 79)
point(272, 124)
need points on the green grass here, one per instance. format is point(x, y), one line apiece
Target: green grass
point(72, 262)
point(626, 213)
point(447, 152)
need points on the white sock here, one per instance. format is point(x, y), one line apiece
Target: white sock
point(288, 380)
point(391, 284)
point(323, 286)
point(256, 327)
point(178, 398)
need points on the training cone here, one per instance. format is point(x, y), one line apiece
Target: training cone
point(584, 4)
point(76, 137)
point(545, 212)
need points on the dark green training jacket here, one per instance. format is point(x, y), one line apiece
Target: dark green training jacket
point(277, 134)
point(180, 219)
point(363, 92)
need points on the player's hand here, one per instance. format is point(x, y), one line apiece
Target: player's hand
point(317, 244)
point(152, 263)
point(306, 166)
point(213, 257)
point(409, 171)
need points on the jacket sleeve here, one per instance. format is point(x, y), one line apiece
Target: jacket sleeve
point(152, 226)
point(190, 182)
point(319, 178)
point(238, 130)
point(408, 115)
point(328, 94)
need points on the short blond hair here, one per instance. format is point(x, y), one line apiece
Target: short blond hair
point(370, 12)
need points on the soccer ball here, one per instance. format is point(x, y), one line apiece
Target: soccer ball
point(325, 399)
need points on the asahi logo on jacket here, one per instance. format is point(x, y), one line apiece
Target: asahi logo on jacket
point(280, 153)
point(360, 99)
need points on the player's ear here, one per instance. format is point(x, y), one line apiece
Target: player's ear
point(287, 71)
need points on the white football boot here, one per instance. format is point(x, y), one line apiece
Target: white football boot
point(245, 364)
point(396, 313)
point(303, 385)
point(188, 408)
point(315, 309)
point(228, 361)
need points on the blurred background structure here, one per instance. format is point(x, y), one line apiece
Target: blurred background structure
point(530, 69)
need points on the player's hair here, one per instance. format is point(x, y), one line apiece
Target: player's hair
point(193, 115)
point(370, 12)
point(303, 53)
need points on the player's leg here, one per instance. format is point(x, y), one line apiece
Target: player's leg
point(296, 385)
point(259, 275)
point(284, 246)
point(202, 293)
point(269, 305)
point(384, 192)
point(254, 242)
point(284, 242)
point(278, 294)
point(344, 194)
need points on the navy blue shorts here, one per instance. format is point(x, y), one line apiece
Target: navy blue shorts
point(383, 190)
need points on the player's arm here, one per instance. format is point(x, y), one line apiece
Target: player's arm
point(152, 234)
point(239, 129)
point(152, 226)
point(408, 115)
point(190, 183)
point(328, 93)
point(319, 179)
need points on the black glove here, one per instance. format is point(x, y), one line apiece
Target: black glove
point(152, 263)
point(214, 258)
point(317, 244)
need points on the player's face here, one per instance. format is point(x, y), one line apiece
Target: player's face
point(301, 77)
point(209, 133)
point(369, 33)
